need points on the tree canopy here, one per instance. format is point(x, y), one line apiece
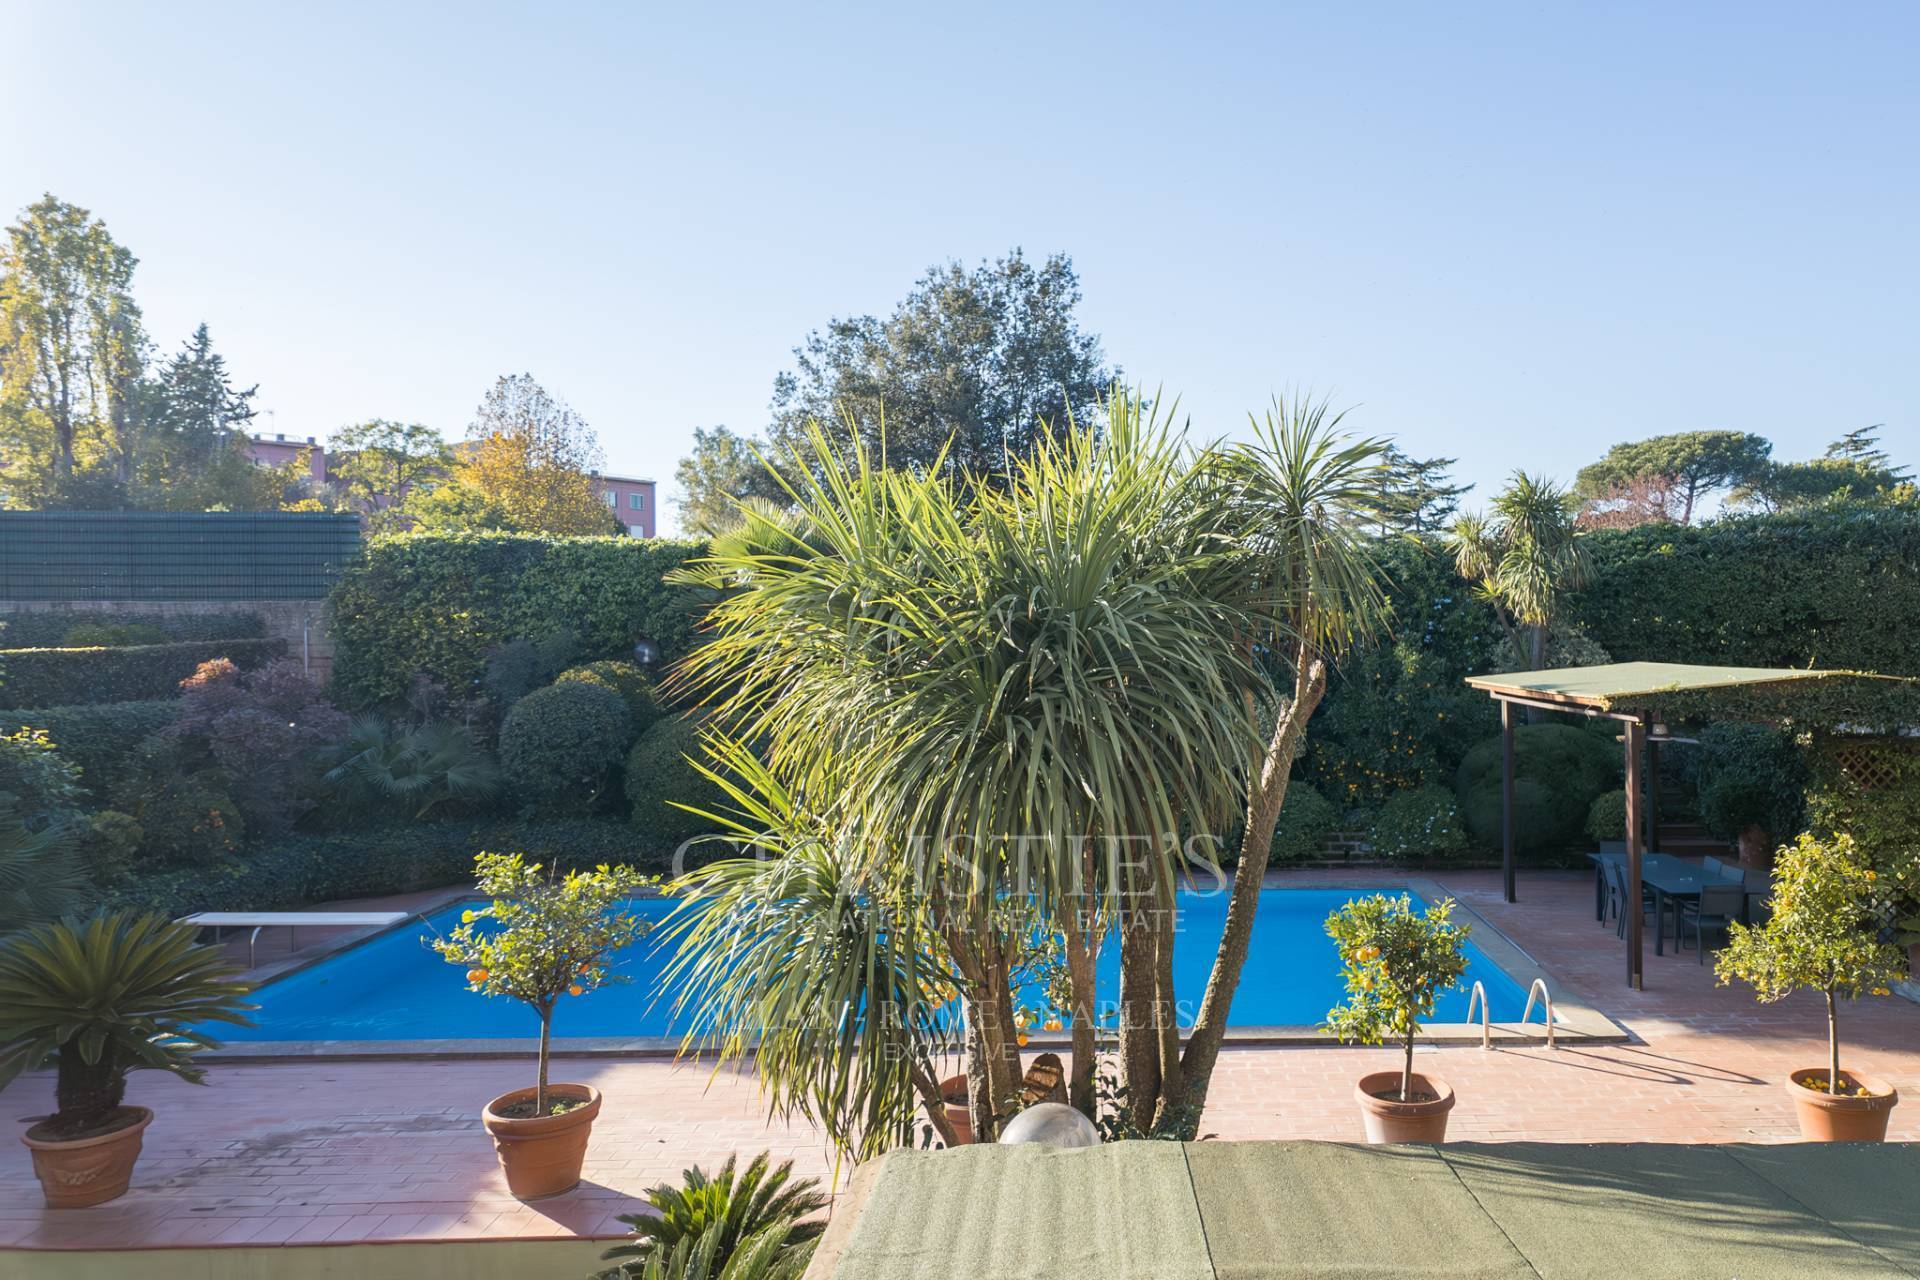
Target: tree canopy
point(723, 470)
point(965, 372)
point(1665, 477)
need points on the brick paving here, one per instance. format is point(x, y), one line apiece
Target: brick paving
point(367, 1151)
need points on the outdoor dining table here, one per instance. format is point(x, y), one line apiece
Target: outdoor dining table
point(1670, 878)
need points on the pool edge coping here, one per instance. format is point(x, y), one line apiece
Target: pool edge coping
point(1577, 1021)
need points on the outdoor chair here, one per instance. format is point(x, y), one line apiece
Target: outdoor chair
point(1729, 872)
point(1712, 866)
point(1719, 905)
point(1617, 897)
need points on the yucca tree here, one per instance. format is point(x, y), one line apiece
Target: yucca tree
point(1301, 492)
point(731, 1209)
point(1523, 558)
point(831, 983)
point(115, 993)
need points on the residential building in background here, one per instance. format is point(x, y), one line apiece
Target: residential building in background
point(631, 499)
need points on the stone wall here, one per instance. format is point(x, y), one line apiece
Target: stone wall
point(301, 623)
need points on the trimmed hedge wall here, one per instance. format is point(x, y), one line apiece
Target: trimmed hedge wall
point(438, 602)
point(48, 629)
point(1834, 587)
point(301, 870)
point(36, 678)
point(101, 739)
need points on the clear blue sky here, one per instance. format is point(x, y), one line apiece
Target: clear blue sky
point(1510, 233)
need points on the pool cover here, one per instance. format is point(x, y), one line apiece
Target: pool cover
point(1304, 1210)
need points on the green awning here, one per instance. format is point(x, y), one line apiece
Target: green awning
point(1604, 686)
point(1861, 700)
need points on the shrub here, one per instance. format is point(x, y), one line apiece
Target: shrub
point(560, 744)
point(264, 728)
point(1607, 816)
point(71, 677)
point(661, 777)
point(43, 785)
point(439, 603)
point(1306, 819)
point(111, 635)
point(303, 868)
point(543, 936)
point(185, 819)
point(109, 843)
point(1396, 963)
point(626, 679)
point(1422, 823)
point(1750, 776)
point(1823, 934)
point(761, 1198)
point(40, 878)
point(118, 992)
point(49, 629)
point(1558, 770)
point(100, 740)
point(520, 666)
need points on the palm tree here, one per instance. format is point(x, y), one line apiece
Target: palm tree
point(418, 768)
point(42, 875)
point(1523, 559)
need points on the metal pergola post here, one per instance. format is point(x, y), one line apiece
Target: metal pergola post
point(1635, 738)
point(1507, 834)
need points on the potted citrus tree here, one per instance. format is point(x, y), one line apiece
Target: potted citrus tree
point(103, 997)
point(542, 938)
point(1396, 962)
point(1823, 936)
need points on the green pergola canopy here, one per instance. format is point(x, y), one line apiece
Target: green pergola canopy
point(1686, 691)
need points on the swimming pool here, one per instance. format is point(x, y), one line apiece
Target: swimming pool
point(394, 987)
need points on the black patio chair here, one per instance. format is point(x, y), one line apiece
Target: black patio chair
point(1617, 897)
point(1718, 906)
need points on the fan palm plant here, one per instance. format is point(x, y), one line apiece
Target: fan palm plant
point(732, 1210)
point(41, 872)
point(419, 768)
point(118, 992)
point(1523, 558)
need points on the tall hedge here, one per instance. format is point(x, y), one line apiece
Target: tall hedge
point(70, 677)
point(47, 629)
point(436, 603)
point(100, 739)
point(1834, 587)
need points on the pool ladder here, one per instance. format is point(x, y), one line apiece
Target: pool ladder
point(1478, 1000)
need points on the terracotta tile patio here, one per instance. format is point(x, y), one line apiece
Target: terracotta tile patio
point(347, 1151)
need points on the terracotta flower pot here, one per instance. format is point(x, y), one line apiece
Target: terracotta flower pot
point(82, 1171)
point(1843, 1117)
point(1390, 1120)
point(953, 1091)
point(542, 1155)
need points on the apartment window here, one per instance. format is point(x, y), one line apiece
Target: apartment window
point(637, 501)
point(608, 496)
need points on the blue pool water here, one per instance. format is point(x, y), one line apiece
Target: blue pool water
point(394, 987)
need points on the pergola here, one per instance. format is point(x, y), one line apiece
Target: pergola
point(1644, 696)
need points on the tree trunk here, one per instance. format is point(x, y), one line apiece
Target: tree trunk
point(1082, 1017)
point(935, 1104)
point(546, 1042)
point(1139, 1042)
point(1266, 791)
point(1833, 1045)
point(1168, 1114)
point(85, 1093)
point(993, 1061)
point(1406, 1070)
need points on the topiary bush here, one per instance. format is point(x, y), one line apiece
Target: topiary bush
point(70, 677)
point(624, 678)
point(50, 628)
point(1559, 769)
point(112, 635)
point(1607, 816)
point(1307, 818)
point(560, 745)
point(100, 740)
point(661, 776)
point(1423, 823)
